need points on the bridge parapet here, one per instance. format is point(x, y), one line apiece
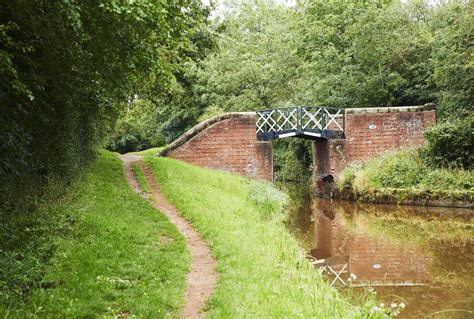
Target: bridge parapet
point(301, 121)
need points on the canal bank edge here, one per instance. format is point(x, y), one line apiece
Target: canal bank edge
point(401, 196)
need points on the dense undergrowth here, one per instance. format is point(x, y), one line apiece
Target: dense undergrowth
point(262, 269)
point(33, 215)
point(405, 175)
point(98, 251)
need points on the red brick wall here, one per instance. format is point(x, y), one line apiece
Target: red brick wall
point(401, 263)
point(229, 145)
point(338, 241)
point(371, 134)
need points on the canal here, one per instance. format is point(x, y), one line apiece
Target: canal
point(416, 256)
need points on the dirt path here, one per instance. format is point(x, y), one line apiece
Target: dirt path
point(202, 277)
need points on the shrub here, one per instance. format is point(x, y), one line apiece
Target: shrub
point(347, 178)
point(400, 170)
point(292, 160)
point(451, 143)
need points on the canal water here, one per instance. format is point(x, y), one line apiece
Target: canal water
point(421, 257)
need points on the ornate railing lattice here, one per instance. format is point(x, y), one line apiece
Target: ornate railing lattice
point(303, 121)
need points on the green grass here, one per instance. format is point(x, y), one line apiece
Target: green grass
point(149, 152)
point(121, 257)
point(140, 178)
point(262, 269)
point(403, 174)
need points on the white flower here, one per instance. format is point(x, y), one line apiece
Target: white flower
point(375, 309)
point(402, 305)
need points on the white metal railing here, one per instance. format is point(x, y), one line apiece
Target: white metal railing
point(313, 121)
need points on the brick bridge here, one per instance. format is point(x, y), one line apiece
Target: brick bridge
point(241, 142)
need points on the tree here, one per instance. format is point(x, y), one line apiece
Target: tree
point(68, 66)
point(453, 57)
point(255, 65)
point(365, 53)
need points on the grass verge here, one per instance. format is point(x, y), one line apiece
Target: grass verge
point(121, 257)
point(262, 270)
point(403, 177)
point(140, 178)
point(150, 152)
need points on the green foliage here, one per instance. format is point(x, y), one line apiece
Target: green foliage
point(66, 67)
point(341, 53)
point(451, 143)
point(137, 129)
point(453, 58)
point(140, 177)
point(31, 221)
point(66, 70)
point(150, 152)
point(361, 54)
point(269, 200)
point(338, 53)
point(399, 171)
point(255, 63)
point(292, 160)
point(112, 254)
point(405, 170)
point(347, 179)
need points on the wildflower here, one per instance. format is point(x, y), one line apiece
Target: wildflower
point(393, 305)
point(402, 305)
point(375, 309)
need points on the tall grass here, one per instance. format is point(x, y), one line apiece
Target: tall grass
point(262, 270)
point(33, 214)
point(405, 170)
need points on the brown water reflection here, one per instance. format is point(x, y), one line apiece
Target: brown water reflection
point(420, 256)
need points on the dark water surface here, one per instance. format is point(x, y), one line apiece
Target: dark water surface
point(421, 257)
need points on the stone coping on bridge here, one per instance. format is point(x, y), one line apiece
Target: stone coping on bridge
point(198, 128)
point(392, 109)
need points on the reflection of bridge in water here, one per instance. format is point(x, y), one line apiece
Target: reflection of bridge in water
point(348, 255)
point(421, 256)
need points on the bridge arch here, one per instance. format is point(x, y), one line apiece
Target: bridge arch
point(226, 142)
point(241, 142)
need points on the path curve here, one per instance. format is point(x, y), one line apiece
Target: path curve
point(202, 278)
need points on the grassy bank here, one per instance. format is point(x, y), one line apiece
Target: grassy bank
point(262, 270)
point(115, 255)
point(404, 177)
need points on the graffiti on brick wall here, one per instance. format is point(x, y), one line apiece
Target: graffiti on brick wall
point(412, 126)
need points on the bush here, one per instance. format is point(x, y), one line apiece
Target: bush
point(400, 171)
point(451, 143)
point(292, 160)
